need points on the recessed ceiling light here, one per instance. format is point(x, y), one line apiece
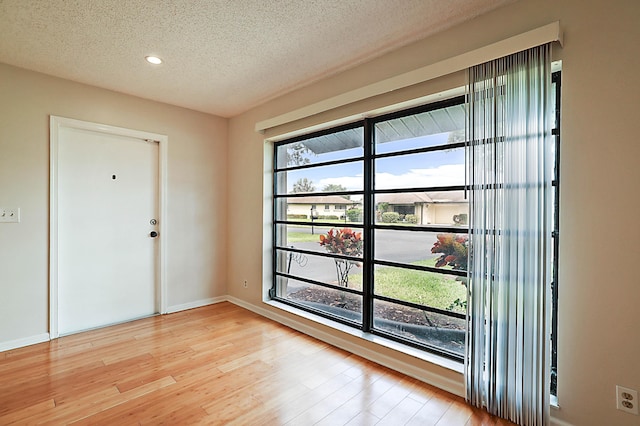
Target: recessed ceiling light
point(153, 60)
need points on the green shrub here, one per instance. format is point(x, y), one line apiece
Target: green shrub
point(354, 215)
point(329, 217)
point(390, 217)
point(460, 219)
point(297, 216)
point(411, 218)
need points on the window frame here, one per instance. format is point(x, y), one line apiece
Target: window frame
point(556, 79)
point(369, 226)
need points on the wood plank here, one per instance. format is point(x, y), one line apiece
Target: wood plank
point(31, 410)
point(219, 364)
point(457, 414)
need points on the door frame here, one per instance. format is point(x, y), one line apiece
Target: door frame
point(55, 124)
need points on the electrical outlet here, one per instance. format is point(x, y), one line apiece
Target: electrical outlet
point(245, 283)
point(8, 215)
point(627, 400)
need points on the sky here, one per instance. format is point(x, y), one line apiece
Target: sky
point(438, 168)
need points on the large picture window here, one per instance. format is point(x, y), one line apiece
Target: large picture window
point(390, 254)
point(393, 262)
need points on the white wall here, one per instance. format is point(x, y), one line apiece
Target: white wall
point(197, 187)
point(599, 287)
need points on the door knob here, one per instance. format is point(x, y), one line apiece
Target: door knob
point(153, 234)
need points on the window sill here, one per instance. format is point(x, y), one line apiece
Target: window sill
point(422, 355)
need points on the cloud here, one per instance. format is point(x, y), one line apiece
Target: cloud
point(448, 174)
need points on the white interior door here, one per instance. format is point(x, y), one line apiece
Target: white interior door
point(107, 201)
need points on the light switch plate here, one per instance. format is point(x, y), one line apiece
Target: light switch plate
point(9, 215)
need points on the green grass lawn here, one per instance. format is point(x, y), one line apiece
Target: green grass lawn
point(425, 288)
point(303, 237)
point(336, 221)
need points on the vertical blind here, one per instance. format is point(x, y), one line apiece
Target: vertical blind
point(511, 162)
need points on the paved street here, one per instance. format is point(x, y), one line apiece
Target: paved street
point(398, 246)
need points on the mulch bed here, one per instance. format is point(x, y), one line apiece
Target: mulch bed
point(383, 310)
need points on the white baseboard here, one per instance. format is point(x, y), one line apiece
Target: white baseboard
point(452, 386)
point(196, 304)
point(44, 337)
point(25, 341)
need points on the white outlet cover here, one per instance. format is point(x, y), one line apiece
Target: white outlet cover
point(627, 400)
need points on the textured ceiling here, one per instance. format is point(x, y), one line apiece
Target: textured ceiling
point(221, 56)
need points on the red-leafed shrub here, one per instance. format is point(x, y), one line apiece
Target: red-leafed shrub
point(346, 242)
point(454, 249)
point(342, 241)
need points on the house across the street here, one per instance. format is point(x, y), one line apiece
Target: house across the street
point(433, 208)
point(324, 206)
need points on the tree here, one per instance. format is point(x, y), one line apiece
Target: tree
point(456, 136)
point(297, 154)
point(303, 185)
point(333, 187)
point(336, 187)
point(383, 207)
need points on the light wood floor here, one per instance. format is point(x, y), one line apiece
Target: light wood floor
point(219, 364)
